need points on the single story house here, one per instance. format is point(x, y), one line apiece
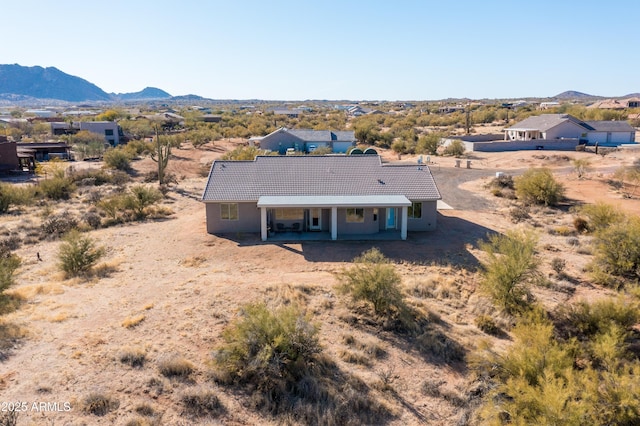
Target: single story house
point(307, 140)
point(320, 196)
point(552, 127)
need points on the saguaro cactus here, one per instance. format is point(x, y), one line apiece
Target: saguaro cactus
point(161, 155)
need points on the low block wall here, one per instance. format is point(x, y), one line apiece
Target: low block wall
point(538, 144)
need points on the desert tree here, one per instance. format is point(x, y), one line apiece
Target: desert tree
point(538, 186)
point(581, 166)
point(508, 268)
point(78, 254)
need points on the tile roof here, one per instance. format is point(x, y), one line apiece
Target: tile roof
point(545, 122)
point(610, 126)
point(317, 176)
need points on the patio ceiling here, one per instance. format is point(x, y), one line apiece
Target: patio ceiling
point(326, 201)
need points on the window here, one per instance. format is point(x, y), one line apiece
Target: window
point(415, 211)
point(355, 215)
point(289, 214)
point(108, 132)
point(229, 211)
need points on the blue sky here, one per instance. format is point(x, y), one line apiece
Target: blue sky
point(326, 49)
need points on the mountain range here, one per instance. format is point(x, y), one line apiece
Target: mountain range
point(20, 83)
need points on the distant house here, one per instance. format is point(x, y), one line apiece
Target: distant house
point(320, 197)
point(550, 127)
point(109, 129)
point(616, 103)
point(306, 140)
point(43, 151)
point(291, 113)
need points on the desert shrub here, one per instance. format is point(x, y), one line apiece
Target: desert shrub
point(175, 367)
point(617, 249)
point(9, 263)
point(581, 166)
point(133, 357)
point(544, 380)
point(92, 219)
point(487, 324)
point(265, 342)
point(119, 177)
point(585, 319)
point(519, 213)
point(581, 224)
point(558, 265)
point(99, 404)
point(117, 158)
point(600, 215)
point(455, 148)
point(510, 263)
point(57, 187)
point(56, 225)
point(139, 198)
point(538, 186)
point(91, 177)
point(502, 182)
point(201, 403)
point(9, 418)
point(276, 357)
point(374, 280)
point(78, 254)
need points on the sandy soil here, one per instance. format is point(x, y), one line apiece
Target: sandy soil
point(187, 285)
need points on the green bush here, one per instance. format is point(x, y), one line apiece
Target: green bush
point(8, 265)
point(57, 188)
point(265, 344)
point(275, 356)
point(538, 186)
point(374, 280)
point(139, 198)
point(78, 254)
point(510, 263)
point(587, 378)
point(600, 215)
point(455, 148)
point(117, 158)
point(617, 249)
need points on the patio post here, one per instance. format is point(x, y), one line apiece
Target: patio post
point(403, 228)
point(263, 223)
point(334, 223)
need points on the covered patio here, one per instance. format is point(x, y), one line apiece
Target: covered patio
point(271, 227)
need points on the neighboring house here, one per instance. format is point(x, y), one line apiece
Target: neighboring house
point(306, 140)
point(320, 197)
point(291, 113)
point(43, 151)
point(616, 103)
point(109, 129)
point(553, 127)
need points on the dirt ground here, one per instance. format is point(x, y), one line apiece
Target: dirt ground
point(185, 286)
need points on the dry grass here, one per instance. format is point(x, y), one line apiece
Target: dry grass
point(99, 403)
point(131, 322)
point(175, 367)
point(201, 402)
point(134, 357)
